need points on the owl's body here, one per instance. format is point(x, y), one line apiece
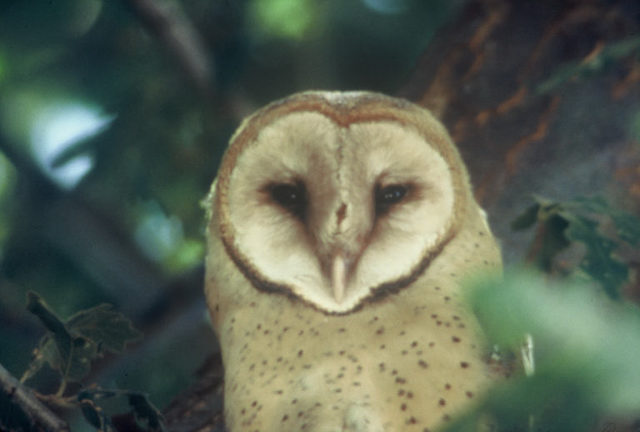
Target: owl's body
point(341, 228)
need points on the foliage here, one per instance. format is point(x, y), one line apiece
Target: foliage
point(69, 348)
point(586, 343)
point(605, 57)
point(604, 233)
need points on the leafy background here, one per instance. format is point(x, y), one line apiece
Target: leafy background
point(108, 143)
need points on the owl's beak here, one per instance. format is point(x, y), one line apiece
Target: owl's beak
point(338, 277)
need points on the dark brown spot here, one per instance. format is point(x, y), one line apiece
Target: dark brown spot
point(404, 352)
point(456, 339)
point(285, 418)
point(382, 346)
point(342, 330)
point(401, 392)
point(412, 420)
point(381, 367)
point(380, 331)
point(341, 213)
point(409, 395)
point(423, 364)
point(254, 403)
point(300, 353)
point(464, 365)
point(414, 344)
point(400, 380)
point(442, 402)
point(403, 407)
point(469, 394)
point(447, 386)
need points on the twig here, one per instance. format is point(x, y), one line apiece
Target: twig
point(38, 413)
point(168, 23)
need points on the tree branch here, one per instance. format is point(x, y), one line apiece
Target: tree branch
point(168, 23)
point(38, 413)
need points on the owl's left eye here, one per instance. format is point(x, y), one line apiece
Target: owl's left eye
point(387, 196)
point(292, 197)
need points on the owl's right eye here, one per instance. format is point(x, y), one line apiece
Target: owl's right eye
point(291, 197)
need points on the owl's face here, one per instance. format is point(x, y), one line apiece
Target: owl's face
point(338, 198)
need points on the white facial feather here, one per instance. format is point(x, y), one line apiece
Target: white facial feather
point(340, 167)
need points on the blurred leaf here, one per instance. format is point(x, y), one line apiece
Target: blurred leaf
point(586, 354)
point(105, 327)
point(609, 55)
point(284, 18)
point(591, 222)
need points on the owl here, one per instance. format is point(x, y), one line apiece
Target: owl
point(340, 228)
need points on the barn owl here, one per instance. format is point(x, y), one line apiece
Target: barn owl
point(340, 228)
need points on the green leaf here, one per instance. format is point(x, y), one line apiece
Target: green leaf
point(105, 327)
point(60, 358)
point(71, 346)
point(586, 349)
point(602, 229)
point(599, 261)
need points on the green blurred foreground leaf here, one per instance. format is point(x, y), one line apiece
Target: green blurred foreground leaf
point(587, 351)
point(70, 346)
point(600, 228)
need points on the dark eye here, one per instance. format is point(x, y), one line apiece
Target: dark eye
point(292, 197)
point(389, 195)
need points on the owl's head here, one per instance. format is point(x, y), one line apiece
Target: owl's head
point(336, 198)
